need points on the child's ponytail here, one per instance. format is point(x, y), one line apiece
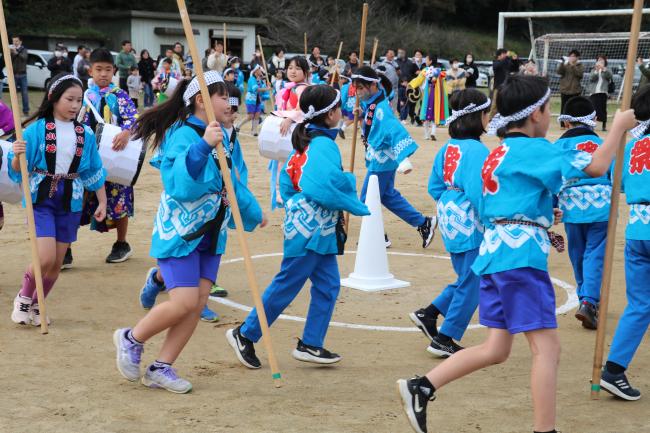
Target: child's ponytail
point(313, 99)
point(153, 123)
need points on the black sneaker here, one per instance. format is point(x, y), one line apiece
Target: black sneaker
point(318, 355)
point(426, 323)
point(67, 260)
point(387, 241)
point(428, 230)
point(244, 348)
point(618, 385)
point(443, 349)
point(414, 401)
point(588, 314)
point(120, 252)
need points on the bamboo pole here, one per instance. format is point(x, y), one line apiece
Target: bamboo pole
point(252, 281)
point(225, 38)
point(362, 48)
point(305, 37)
point(266, 72)
point(375, 45)
point(336, 64)
point(29, 209)
point(613, 211)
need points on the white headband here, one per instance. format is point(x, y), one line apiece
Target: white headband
point(500, 121)
point(311, 113)
point(193, 88)
point(61, 80)
point(228, 70)
point(256, 68)
point(586, 120)
point(471, 108)
point(364, 78)
point(640, 130)
point(234, 102)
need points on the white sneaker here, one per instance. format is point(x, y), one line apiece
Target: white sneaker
point(22, 306)
point(35, 315)
point(166, 378)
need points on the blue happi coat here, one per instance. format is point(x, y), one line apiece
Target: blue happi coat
point(388, 141)
point(314, 189)
point(520, 179)
point(187, 203)
point(636, 184)
point(91, 172)
point(253, 96)
point(584, 200)
point(455, 184)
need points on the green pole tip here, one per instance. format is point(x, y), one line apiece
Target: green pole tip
point(595, 387)
point(277, 375)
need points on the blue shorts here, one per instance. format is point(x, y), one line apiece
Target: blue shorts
point(348, 114)
point(53, 221)
point(519, 300)
point(189, 270)
point(253, 108)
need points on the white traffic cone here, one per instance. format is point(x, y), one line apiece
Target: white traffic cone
point(371, 265)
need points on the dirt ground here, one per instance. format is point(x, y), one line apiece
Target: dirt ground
point(67, 381)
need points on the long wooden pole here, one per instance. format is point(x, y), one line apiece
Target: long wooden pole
point(29, 209)
point(252, 281)
point(362, 49)
point(305, 44)
point(336, 64)
point(613, 211)
point(375, 45)
point(225, 38)
point(266, 72)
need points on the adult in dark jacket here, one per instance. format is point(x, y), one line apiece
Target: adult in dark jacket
point(19, 60)
point(504, 64)
point(59, 62)
point(571, 72)
point(147, 69)
point(471, 71)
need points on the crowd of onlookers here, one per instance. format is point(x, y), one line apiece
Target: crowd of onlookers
point(142, 74)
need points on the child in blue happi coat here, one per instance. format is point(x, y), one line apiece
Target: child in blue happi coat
point(634, 322)
point(585, 207)
point(520, 179)
point(187, 239)
point(455, 184)
point(154, 282)
point(388, 146)
point(315, 191)
point(62, 162)
point(254, 102)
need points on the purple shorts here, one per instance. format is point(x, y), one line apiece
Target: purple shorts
point(519, 300)
point(189, 270)
point(53, 221)
point(253, 108)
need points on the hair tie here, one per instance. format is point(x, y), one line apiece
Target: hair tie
point(61, 80)
point(193, 88)
point(311, 111)
point(500, 121)
point(587, 120)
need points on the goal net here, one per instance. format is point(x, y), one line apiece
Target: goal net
point(552, 49)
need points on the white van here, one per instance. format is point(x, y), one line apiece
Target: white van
point(38, 76)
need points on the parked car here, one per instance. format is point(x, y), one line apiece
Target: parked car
point(485, 73)
point(38, 76)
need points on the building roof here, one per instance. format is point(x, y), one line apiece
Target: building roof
point(172, 16)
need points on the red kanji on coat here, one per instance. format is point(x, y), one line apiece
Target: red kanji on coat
point(50, 136)
point(295, 166)
point(79, 129)
point(79, 151)
point(452, 159)
point(50, 126)
point(494, 159)
point(640, 156)
point(587, 146)
point(50, 148)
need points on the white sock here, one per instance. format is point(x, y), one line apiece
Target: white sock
point(433, 129)
point(426, 130)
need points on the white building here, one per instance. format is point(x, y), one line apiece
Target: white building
point(157, 31)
